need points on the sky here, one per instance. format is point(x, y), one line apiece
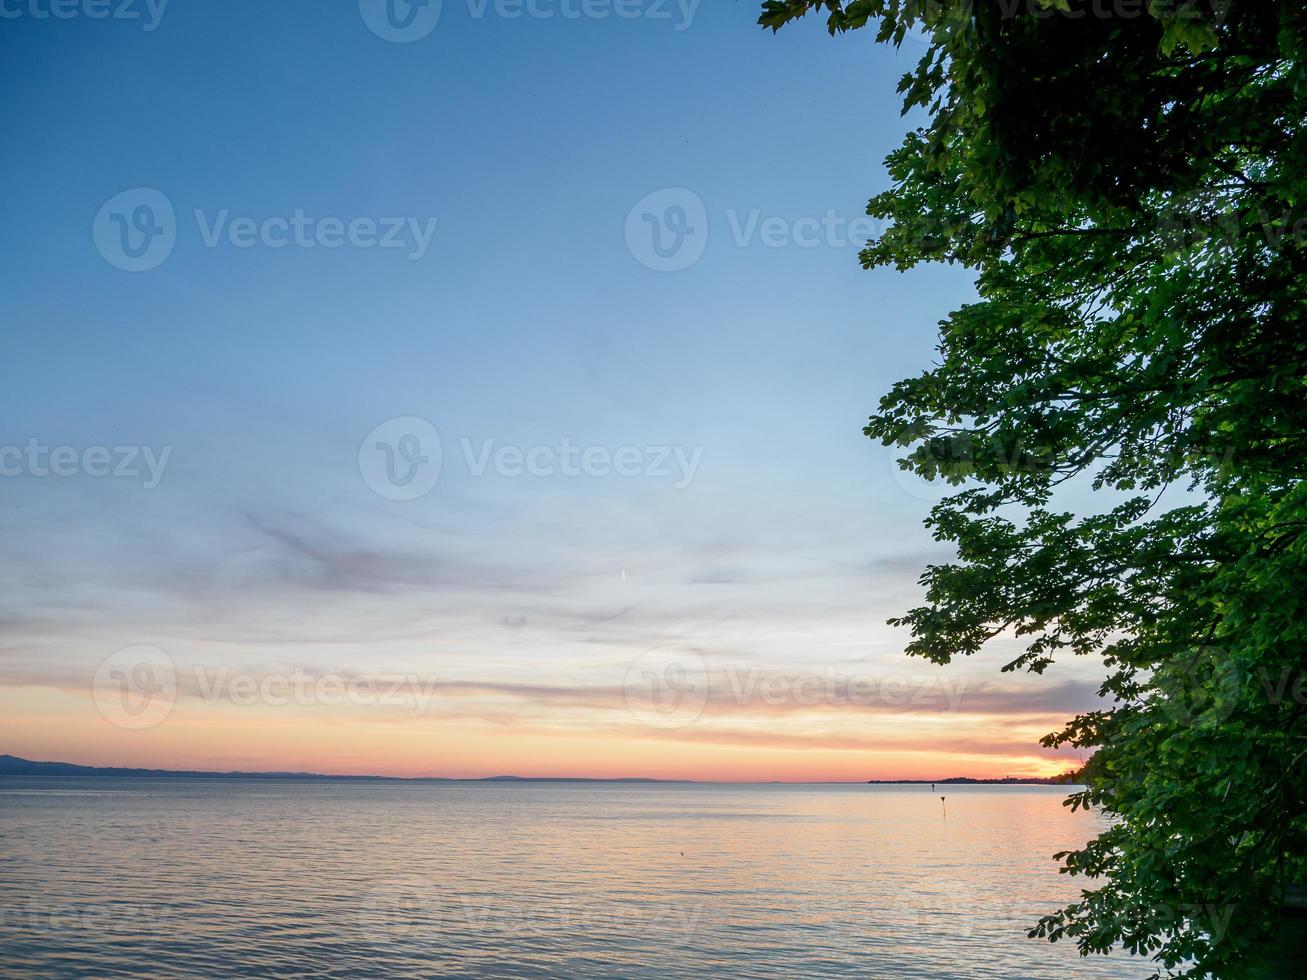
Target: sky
point(465, 389)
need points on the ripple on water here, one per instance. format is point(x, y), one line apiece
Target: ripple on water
point(258, 878)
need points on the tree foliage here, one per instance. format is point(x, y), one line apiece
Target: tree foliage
point(1127, 181)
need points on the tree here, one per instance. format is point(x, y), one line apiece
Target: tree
point(1127, 181)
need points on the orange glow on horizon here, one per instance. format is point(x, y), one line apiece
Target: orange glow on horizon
point(48, 725)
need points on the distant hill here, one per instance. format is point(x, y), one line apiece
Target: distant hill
point(12, 765)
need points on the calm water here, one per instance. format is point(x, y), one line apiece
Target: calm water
point(191, 878)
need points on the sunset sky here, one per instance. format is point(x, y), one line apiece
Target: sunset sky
point(648, 477)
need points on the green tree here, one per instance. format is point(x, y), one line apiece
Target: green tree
point(1126, 178)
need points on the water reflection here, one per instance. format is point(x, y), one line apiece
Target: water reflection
point(465, 879)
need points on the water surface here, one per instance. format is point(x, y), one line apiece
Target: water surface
point(338, 879)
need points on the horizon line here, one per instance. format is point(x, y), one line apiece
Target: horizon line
point(151, 772)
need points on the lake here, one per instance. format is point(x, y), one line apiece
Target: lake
point(185, 877)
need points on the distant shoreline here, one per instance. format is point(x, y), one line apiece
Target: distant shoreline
point(11, 765)
point(1067, 780)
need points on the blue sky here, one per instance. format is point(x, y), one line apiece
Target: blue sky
point(527, 321)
